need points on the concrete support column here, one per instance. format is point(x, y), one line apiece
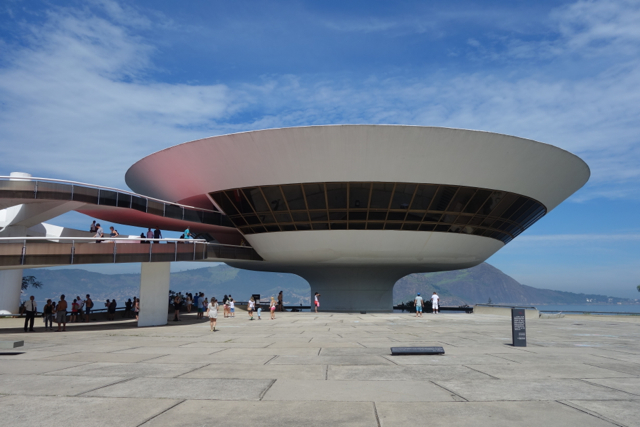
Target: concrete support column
point(10, 286)
point(154, 293)
point(353, 289)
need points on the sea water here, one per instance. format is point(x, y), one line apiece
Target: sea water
point(591, 308)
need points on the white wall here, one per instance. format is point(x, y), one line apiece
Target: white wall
point(10, 287)
point(154, 293)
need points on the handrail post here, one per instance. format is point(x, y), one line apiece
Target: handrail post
point(194, 251)
point(35, 190)
point(24, 251)
point(175, 250)
point(150, 250)
point(115, 250)
point(73, 250)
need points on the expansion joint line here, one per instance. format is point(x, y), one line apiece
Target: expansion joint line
point(326, 373)
point(266, 389)
point(267, 362)
point(375, 412)
point(586, 411)
point(162, 412)
point(484, 373)
point(106, 385)
point(453, 393)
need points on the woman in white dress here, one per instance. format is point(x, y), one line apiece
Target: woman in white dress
point(212, 312)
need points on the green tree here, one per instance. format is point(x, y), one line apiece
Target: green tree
point(638, 288)
point(30, 281)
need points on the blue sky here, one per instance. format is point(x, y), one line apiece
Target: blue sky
point(89, 87)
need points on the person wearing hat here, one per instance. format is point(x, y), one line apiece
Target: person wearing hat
point(418, 303)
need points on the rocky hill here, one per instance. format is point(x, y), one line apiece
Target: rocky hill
point(474, 285)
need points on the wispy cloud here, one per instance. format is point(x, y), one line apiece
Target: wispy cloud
point(82, 94)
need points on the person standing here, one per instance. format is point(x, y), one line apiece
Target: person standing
point(272, 308)
point(198, 305)
point(232, 307)
point(47, 312)
point(127, 308)
point(176, 306)
point(212, 312)
point(31, 309)
point(259, 309)
point(280, 302)
point(136, 307)
point(189, 302)
point(157, 234)
point(61, 314)
point(250, 307)
point(187, 234)
point(316, 301)
point(418, 303)
point(92, 227)
point(435, 303)
point(88, 305)
point(74, 311)
point(149, 234)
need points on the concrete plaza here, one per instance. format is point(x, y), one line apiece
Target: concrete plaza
point(307, 369)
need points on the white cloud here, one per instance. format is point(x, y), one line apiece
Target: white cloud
point(80, 97)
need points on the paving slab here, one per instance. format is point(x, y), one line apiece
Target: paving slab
point(631, 369)
point(86, 412)
point(629, 385)
point(400, 373)
point(194, 413)
point(330, 360)
point(480, 359)
point(625, 412)
point(550, 389)
point(485, 414)
point(186, 388)
point(129, 370)
point(103, 357)
point(309, 372)
point(43, 385)
point(535, 371)
point(17, 367)
point(357, 391)
point(212, 358)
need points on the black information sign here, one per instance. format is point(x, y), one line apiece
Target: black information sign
point(518, 327)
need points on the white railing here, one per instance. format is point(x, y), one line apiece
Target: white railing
point(99, 187)
point(230, 251)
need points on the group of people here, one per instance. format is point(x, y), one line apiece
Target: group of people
point(155, 234)
point(99, 232)
point(254, 306)
point(419, 303)
point(80, 310)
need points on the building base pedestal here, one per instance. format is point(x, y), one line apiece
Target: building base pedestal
point(10, 287)
point(353, 289)
point(154, 293)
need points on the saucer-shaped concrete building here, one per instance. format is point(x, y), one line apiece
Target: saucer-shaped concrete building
point(354, 208)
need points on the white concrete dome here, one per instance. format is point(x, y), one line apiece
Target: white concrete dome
point(311, 200)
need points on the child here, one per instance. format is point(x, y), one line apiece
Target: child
point(259, 309)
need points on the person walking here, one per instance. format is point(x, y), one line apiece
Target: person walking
point(418, 303)
point(280, 302)
point(31, 309)
point(259, 309)
point(212, 312)
point(316, 301)
point(61, 314)
point(272, 308)
point(47, 312)
point(99, 233)
point(250, 307)
point(435, 303)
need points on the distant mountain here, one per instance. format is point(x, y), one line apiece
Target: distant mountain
point(474, 285)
